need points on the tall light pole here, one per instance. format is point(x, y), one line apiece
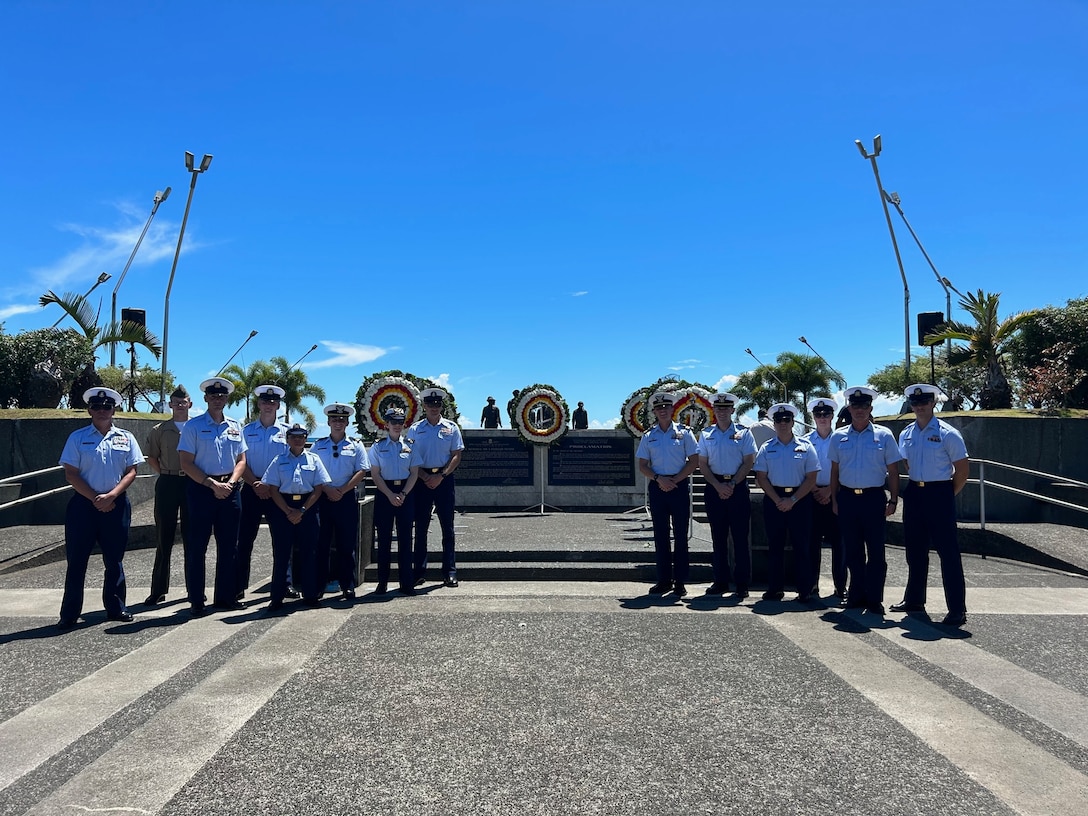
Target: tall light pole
point(895, 245)
point(205, 163)
point(105, 276)
point(223, 367)
point(894, 200)
point(160, 197)
point(834, 370)
point(294, 365)
point(769, 370)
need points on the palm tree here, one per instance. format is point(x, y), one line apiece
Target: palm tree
point(245, 382)
point(296, 386)
point(757, 388)
point(987, 340)
point(806, 376)
point(124, 331)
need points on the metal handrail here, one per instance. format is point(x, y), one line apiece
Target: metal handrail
point(19, 476)
point(981, 482)
point(55, 491)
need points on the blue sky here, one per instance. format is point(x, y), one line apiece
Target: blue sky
point(494, 194)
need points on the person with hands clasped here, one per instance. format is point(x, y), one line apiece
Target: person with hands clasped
point(298, 478)
point(346, 461)
point(786, 469)
point(667, 455)
point(825, 524)
point(394, 467)
point(100, 463)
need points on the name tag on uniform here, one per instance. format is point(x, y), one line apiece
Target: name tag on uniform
point(120, 443)
point(233, 434)
point(308, 467)
point(446, 432)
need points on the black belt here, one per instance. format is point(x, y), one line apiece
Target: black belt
point(931, 484)
point(433, 470)
point(397, 482)
point(222, 477)
point(786, 490)
point(721, 476)
point(858, 491)
point(165, 472)
point(295, 497)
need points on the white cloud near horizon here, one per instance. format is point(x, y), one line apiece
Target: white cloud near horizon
point(18, 308)
point(579, 294)
point(348, 354)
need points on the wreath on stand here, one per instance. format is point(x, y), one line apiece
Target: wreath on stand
point(631, 413)
point(694, 402)
point(543, 404)
point(386, 389)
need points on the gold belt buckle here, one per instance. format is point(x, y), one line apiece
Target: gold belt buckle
point(398, 482)
point(920, 484)
point(788, 489)
point(296, 497)
point(858, 491)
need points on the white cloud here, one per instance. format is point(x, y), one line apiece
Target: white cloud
point(442, 381)
point(608, 424)
point(578, 294)
point(348, 354)
point(726, 382)
point(15, 309)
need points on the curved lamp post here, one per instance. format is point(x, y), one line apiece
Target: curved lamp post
point(223, 367)
point(770, 371)
point(105, 276)
point(205, 163)
point(160, 197)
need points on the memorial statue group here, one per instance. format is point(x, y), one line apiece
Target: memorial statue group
point(829, 486)
point(220, 479)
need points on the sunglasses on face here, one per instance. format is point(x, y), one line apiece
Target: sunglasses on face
point(100, 406)
point(822, 412)
point(782, 420)
point(921, 400)
point(396, 421)
point(338, 419)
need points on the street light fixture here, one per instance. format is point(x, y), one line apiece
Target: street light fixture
point(834, 370)
point(895, 245)
point(222, 368)
point(769, 370)
point(105, 276)
point(894, 200)
point(160, 197)
point(204, 165)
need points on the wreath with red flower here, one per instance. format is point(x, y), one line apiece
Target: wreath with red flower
point(549, 409)
point(386, 389)
point(632, 412)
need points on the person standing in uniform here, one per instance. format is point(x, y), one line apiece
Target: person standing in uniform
point(212, 452)
point(727, 453)
point(265, 440)
point(825, 524)
point(936, 460)
point(346, 461)
point(438, 445)
point(580, 417)
point(394, 467)
point(298, 479)
point(667, 455)
point(786, 470)
point(491, 416)
point(763, 430)
point(170, 501)
point(99, 463)
point(863, 460)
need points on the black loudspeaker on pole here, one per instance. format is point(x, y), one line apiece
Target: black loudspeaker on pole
point(140, 316)
point(927, 323)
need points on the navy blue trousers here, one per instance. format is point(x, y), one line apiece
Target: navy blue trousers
point(442, 499)
point(929, 523)
point(732, 515)
point(340, 524)
point(84, 526)
point(795, 525)
point(861, 520)
point(386, 516)
point(671, 509)
point(208, 515)
point(298, 543)
point(253, 509)
point(825, 529)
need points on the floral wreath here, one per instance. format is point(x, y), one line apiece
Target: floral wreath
point(697, 401)
point(383, 393)
point(632, 413)
point(541, 396)
point(671, 386)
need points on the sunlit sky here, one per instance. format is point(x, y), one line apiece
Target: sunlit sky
point(494, 194)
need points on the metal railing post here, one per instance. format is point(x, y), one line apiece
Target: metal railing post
point(982, 495)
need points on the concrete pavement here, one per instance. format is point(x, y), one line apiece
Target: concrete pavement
point(545, 697)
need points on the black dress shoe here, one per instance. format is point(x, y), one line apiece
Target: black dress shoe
point(875, 609)
point(230, 606)
point(954, 620)
point(741, 593)
point(154, 600)
point(451, 582)
point(241, 594)
point(313, 603)
point(274, 604)
point(803, 598)
point(348, 595)
point(840, 593)
point(854, 604)
point(679, 590)
point(293, 594)
point(381, 589)
point(198, 611)
point(773, 596)
point(65, 624)
point(121, 617)
point(717, 588)
point(408, 591)
point(420, 581)
point(661, 587)
point(903, 606)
